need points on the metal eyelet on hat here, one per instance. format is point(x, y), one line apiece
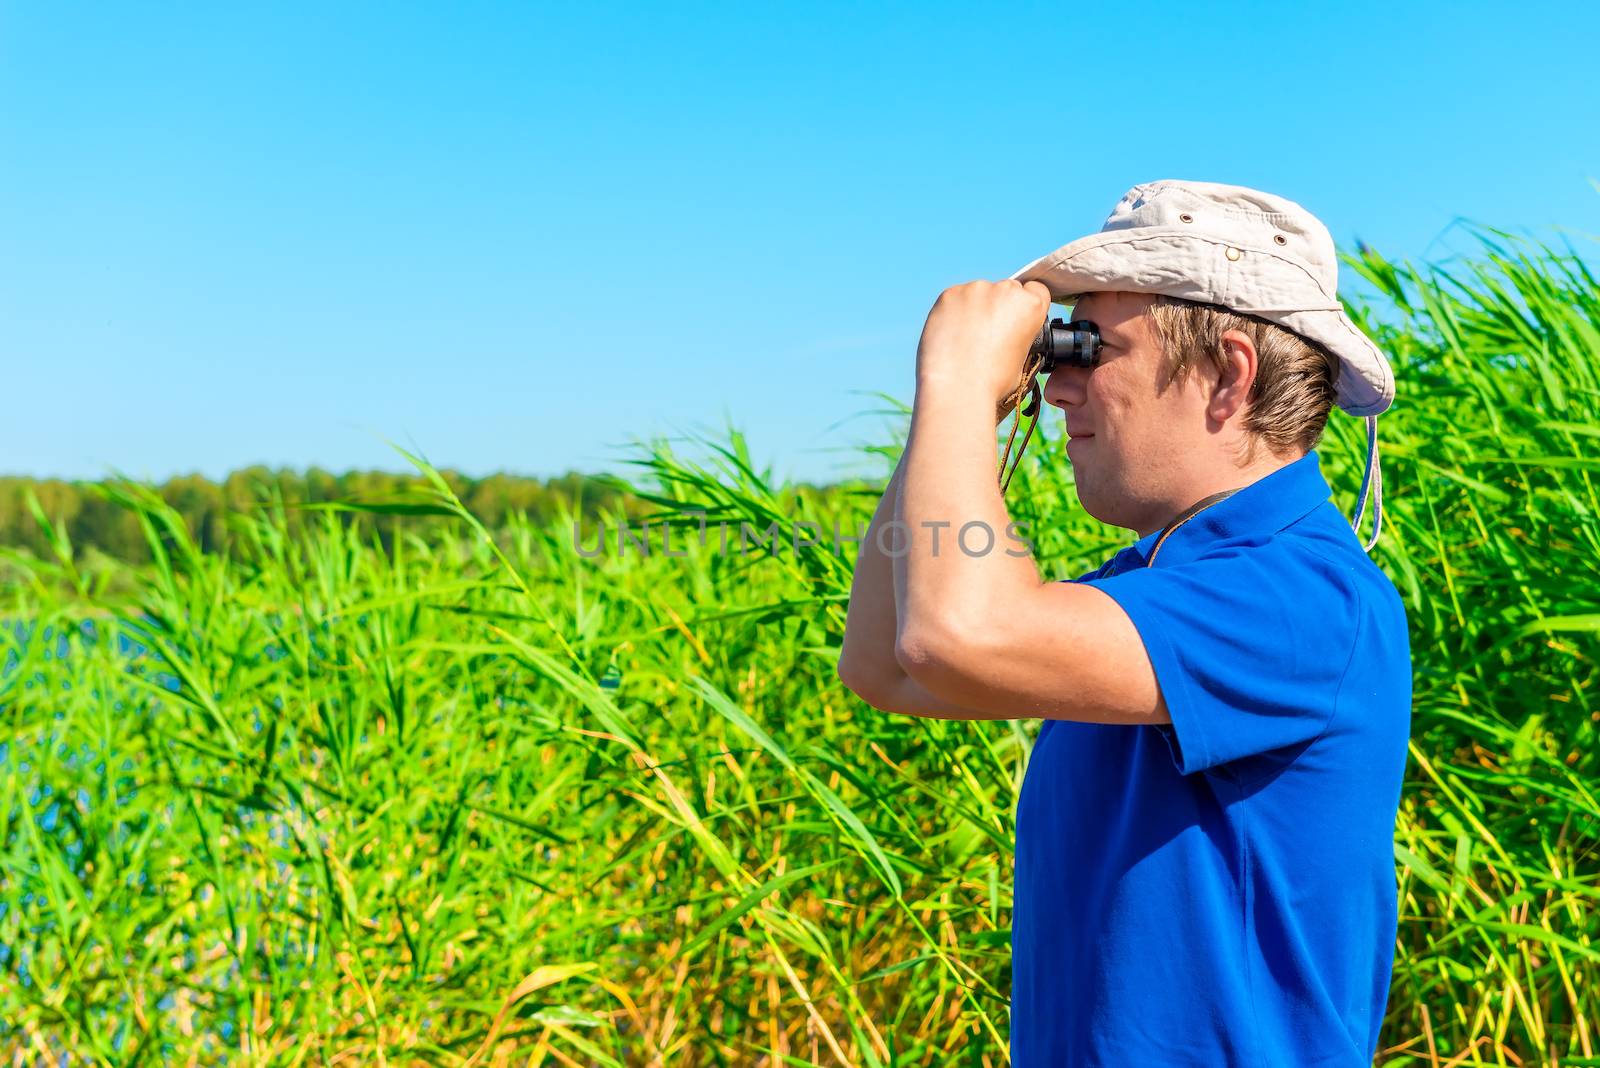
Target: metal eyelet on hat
point(1186, 217)
point(1233, 253)
point(1280, 239)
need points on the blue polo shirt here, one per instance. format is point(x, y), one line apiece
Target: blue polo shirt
point(1220, 891)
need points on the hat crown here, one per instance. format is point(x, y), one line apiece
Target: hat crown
point(1235, 215)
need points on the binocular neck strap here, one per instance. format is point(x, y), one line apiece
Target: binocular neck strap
point(1189, 513)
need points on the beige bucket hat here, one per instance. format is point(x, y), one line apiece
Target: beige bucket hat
point(1246, 250)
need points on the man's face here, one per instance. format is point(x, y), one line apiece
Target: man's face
point(1133, 432)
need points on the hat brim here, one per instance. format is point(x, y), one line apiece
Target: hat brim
point(1173, 263)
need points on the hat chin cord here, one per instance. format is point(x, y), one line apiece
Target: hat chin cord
point(1024, 402)
point(1372, 476)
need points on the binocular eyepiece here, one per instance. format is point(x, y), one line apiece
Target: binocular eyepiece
point(1076, 344)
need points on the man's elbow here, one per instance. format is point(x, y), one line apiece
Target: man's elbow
point(932, 655)
point(878, 684)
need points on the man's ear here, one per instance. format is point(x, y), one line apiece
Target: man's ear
point(1238, 374)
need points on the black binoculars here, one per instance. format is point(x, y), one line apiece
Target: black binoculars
point(1076, 344)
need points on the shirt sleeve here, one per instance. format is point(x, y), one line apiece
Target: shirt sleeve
point(1250, 646)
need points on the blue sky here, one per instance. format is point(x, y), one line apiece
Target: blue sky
point(517, 236)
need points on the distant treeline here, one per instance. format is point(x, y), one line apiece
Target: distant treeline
point(90, 519)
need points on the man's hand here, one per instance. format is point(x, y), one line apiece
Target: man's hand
point(977, 336)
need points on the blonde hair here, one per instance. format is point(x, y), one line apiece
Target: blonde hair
point(1293, 393)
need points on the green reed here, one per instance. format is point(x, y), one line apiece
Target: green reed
point(479, 797)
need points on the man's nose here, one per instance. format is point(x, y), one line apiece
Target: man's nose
point(1067, 386)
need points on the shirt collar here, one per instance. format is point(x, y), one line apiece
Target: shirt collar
point(1262, 508)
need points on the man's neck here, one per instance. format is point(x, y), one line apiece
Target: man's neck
point(1200, 490)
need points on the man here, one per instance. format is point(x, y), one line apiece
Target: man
point(1204, 861)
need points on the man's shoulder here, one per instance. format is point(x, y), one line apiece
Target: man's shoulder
point(1325, 533)
point(1325, 558)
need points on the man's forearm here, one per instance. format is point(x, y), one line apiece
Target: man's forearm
point(949, 480)
point(867, 663)
point(867, 657)
point(907, 696)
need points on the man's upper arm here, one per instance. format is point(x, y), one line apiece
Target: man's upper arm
point(1238, 653)
point(1061, 651)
